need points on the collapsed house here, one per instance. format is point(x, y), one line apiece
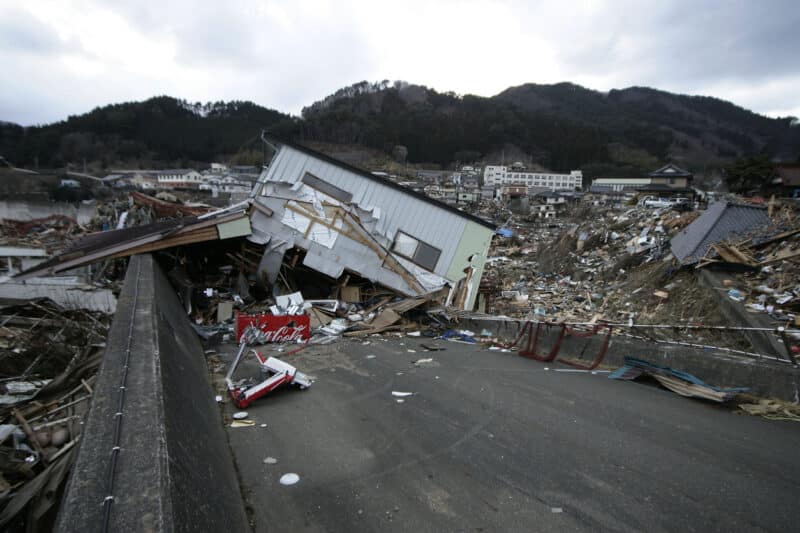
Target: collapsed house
point(348, 220)
point(342, 220)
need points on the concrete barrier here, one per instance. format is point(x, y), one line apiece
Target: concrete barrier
point(768, 379)
point(174, 470)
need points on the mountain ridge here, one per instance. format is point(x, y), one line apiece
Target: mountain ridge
point(559, 126)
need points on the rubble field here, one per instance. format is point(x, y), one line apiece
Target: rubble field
point(614, 265)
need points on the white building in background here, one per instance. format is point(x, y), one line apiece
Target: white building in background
point(503, 175)
point(183, 178)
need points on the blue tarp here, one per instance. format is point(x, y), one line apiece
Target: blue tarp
point(634, 368)
point(452, 334)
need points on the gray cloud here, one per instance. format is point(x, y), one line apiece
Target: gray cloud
point(23, 33)
point(285, 54)
point(687, 41)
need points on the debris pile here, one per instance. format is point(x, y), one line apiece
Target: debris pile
point(619, 265)
point(49, 357)
point(51, 233)
point(761, 270)
point(582, 270)
point(291, 318)
point(226, 296)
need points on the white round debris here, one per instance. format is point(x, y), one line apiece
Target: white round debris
point(289, 479)
point(218, 398)
point(240, 415)
point(263, 425)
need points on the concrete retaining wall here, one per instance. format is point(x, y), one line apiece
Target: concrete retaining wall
point(736, 314)
point(174, 471)
point(766, 379)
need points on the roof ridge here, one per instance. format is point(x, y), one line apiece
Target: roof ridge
point(368, 175)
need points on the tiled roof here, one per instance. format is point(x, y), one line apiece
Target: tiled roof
point(670, 170)
point(720, 222)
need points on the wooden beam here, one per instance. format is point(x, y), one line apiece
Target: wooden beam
point(202, 235)
point(353, 233)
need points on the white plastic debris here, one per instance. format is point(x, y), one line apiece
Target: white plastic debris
point(289, 479)
point(240, 415)
point(25, 387)
point(399, 394)
point(218, 398)
point(371, 356)
point(270, 461)
point(336, 327)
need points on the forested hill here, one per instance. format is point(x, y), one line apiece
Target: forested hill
point(699, 128)
point(560, 127)
point(158, 131)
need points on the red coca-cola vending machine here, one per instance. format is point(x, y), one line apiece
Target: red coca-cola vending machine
point(276, 328)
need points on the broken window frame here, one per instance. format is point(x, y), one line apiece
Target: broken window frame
point(420, 248)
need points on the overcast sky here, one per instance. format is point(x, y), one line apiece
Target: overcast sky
point(65, 57)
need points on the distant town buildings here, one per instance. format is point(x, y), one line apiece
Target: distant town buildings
point(517, 174)
point(219, 178)
point(669, 179)
point(178, 179)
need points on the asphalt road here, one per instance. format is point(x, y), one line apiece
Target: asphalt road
point(493, 442)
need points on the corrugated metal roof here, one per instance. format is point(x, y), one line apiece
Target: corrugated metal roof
point(74, 296)
point(400, 208)
point(720, 222)
point(388, 183)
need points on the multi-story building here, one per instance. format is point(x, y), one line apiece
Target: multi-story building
point(178, 179)
point(505, 175)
